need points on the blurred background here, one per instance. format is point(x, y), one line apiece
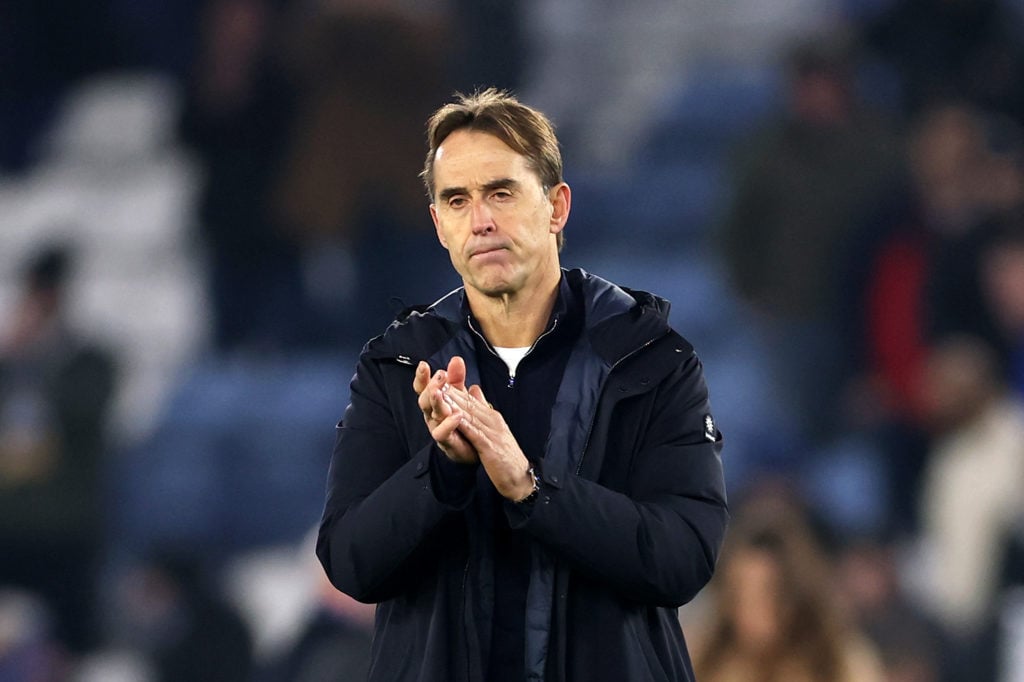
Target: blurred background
point(208, 206)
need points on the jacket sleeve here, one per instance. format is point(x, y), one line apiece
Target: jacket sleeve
point(381, 518)
point(656, 539)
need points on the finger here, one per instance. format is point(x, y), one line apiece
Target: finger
point(443, 404)
point(478, 393)
point(476, 425)
point(426, 399)
point(453, 442)
point(456, 398)
point(428, 395)
point(457, 372)
point(433, 405)
point(471, 401)
point(479, 435)
point(447, 430)
point(422, 377)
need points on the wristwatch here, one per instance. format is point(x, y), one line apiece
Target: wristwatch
point(536, 488)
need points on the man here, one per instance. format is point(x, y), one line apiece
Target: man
point(56, 391)
point(802, 181)
point(527, 480)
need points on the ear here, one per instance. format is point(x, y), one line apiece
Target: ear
point(561, 202)
point(437, 226)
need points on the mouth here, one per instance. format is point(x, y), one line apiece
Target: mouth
point(486, 251)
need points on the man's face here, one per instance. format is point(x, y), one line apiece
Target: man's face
point(493, 216)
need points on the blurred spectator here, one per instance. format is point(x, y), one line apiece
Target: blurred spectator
point(800, 185)
point(55, 390)
point(995, 187)
point(911, 644)
point(776, 616)
point(942, 49)
point(1002, 284)
point(910, 275)
point(333, 644)
point(971, 495)
point(27, 650)
point(367, 76)
point(896, 254)
point(307, 119)
point(236, 115)
point(168, 610)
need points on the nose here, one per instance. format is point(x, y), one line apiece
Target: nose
point(483, 220)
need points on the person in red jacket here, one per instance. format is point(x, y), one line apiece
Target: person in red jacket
point(527, 480)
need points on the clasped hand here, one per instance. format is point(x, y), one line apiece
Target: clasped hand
point(468, 429)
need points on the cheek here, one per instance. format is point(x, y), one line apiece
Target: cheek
point(448, 232)
point(535, 224)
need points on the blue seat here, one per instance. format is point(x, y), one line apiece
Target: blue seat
point(238, 460)
point(715, 106)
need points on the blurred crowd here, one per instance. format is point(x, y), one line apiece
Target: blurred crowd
point(210, 205)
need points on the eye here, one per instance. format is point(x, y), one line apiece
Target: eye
point(502, 195)
point(457, 202)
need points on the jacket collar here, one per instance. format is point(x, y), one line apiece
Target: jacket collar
point(602, 298)
point(617, 320)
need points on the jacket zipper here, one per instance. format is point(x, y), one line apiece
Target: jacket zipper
point(590, 427)
point(487, 344)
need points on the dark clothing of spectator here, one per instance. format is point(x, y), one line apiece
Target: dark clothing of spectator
point(329, 649)
point(54, 398)
point(254, 269)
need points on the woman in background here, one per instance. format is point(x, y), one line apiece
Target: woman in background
point(775, 616)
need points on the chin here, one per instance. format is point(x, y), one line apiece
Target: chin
point(495, 290)
point(494, 284)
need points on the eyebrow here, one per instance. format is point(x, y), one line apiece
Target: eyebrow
point(501, 183)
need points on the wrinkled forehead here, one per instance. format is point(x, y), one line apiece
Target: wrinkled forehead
point(469, 158)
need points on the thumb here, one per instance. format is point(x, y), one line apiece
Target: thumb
point(457, 372)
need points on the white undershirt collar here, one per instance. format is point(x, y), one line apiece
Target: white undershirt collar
point(512, 357)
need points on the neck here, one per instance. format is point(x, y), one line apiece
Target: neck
point(515, 320)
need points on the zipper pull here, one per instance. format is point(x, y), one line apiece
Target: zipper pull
point(511, 381)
